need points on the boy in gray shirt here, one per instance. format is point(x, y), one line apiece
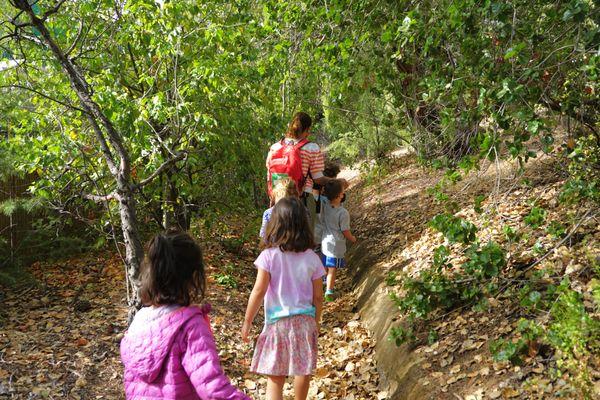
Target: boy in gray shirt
point(335, 225)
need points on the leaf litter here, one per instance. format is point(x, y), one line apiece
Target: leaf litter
point(59, 337)
point(392, 216)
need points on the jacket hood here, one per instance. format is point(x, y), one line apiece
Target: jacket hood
point(144, 350)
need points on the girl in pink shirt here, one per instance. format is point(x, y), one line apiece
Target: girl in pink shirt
point(289, 281)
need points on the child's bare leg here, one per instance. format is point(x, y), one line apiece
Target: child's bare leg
point(330, 278)
point(301, 385)
point(275, 387)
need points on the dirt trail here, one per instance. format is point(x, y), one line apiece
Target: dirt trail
point(59, 334)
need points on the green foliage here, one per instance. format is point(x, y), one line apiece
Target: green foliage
point(169, 74)
point(513, 350)
point(390, 278)
point(556, 229)
point(432, 337)
point(575, 336)
point(227, 280)
point(437, 288)
point(8, 207)
point(484, 262)
point(373, 173)
point(538, 248)
point(530, 299)
point(510, 234)
point(507, 71)
point(507, 350)
point(233, 244)
point(477, 204)
point(401, 335)
point(165, 91)
point(536, 217)
point(455, 229)
point(572, 334)
point(584, 169)
point(423, 295)
point(226, 277)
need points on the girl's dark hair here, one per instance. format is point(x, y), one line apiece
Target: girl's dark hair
point(333, 188)
point(172, 272)
point(300, 123)
point(289, 227)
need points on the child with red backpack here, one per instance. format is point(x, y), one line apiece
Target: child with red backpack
point(297, 158)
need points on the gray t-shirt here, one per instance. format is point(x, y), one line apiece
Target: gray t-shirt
point(334, 220)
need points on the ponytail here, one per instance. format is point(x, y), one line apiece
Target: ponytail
point(300, 123)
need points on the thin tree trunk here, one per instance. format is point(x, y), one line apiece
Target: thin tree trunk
point(120, 171)
point(169, 204)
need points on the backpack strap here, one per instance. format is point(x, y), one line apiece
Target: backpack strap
point(301, 143)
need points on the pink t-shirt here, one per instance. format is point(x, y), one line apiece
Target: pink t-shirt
point(290, 289)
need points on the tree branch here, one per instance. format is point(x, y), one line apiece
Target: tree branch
point(80, 86)
point(159, 170)
point(68, 105)
point(98, 198)
point(79, 33)
point(53, 10)
point(135, 68)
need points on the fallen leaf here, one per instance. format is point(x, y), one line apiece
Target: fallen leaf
point(455, 369)
point(80, 382)
point(509, 393)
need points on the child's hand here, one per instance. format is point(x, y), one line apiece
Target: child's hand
point(246, 328)
point(348, 235)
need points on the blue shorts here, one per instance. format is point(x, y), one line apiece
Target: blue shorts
point(332, 262)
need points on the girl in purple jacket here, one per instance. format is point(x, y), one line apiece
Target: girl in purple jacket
point(289, 281)
point(169, 351)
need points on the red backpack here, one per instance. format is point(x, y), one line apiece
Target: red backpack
point(286, 162)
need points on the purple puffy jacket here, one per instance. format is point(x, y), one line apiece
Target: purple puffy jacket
point(175, 357)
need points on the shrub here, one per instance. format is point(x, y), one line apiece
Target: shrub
point(437, 288)
point(455, 229)
point(535, 218)
point(584, 171)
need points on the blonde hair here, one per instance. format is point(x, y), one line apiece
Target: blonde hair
point(284, 188)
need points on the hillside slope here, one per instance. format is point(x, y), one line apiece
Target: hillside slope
point(390, 212)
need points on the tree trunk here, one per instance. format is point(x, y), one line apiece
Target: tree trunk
point(134, 252)
point(120, 170)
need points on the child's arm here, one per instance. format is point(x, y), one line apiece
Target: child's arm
point(348, 235)
point(256, 297)
point(263, 227)
point(345, 225)
point(318, 300)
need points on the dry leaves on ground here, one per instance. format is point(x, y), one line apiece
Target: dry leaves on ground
point(59, 337)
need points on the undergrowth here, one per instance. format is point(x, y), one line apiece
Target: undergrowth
point(557, 317)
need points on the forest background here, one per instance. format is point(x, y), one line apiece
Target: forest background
point(133, 116)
